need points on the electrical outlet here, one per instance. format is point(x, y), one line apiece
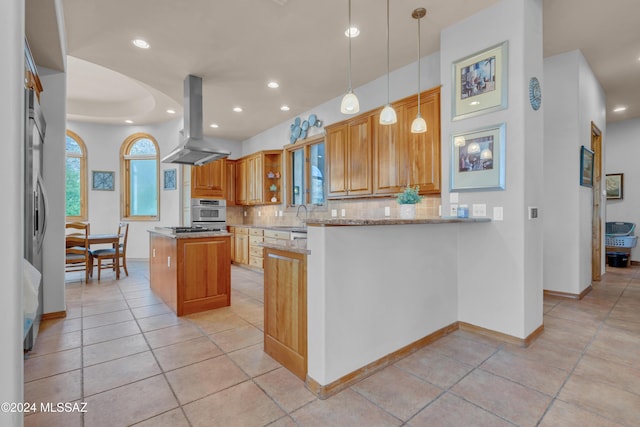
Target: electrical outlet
point(276, 213)
point(453, 210)
point(498, 214)
point(279, 213)
point(259, 213)
point(533, 212)
point(334, 213)
point(245, 213)
point(453, 197)
point(439, 210)
point(387, 211)
point(479, 209)
point(343, 213)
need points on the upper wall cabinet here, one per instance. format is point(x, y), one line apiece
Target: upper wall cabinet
point(258, 178)
point(350, 152)
point(209, 181)
point(366, 158)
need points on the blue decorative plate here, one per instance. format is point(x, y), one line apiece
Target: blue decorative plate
point(296, 132)
point(312, 119)
point(535, 93)
point(305, 125)
point(303, 134)
point(297, 121)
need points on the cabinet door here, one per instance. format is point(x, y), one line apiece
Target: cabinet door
point(336, 141)
point(242, 248)
point(359, 157)
point(241, 182)
point(422, 160)
point(388, 149)
point(209, 180)
point(230, 187)
point(254, 180)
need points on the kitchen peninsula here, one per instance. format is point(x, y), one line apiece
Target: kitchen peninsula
point(191, 272)
point(378, 289)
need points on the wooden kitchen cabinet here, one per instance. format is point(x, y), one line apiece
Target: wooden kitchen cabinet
point(230, 184)
point(255, 250)
point(350, 158)
point(241, 245)
point(255, 174)
point(209, 181)
point(285, 309)
point(190, 274)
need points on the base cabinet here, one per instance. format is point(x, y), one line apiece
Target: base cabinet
point(191, 274)
point(285, 309)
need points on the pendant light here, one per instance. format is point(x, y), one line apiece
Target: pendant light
point(350, 104)
point(388, 115)
point(419, 125)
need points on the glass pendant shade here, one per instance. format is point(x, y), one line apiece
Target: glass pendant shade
point(350, 103)
point(418, 125)
point(388, 115)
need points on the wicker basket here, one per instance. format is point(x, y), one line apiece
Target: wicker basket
point(621, 241)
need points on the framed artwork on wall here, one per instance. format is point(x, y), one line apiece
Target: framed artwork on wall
point(102, 180)
point(480, 83)
point(170, 179)
point(478, 159)
point(614, 185)
point(586, 167)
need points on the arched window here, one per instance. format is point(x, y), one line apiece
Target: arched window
point(76, 178)
point(139, 169)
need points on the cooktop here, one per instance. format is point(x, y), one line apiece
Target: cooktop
point(192, 229)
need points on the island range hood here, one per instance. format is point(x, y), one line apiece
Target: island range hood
point(193, 149)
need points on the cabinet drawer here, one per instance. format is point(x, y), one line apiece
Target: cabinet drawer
point(255, 262)
point(241, 230)
point(254, 240)
point(256, 231)
point(274, 234)
point(271, 240)
point(256, 251)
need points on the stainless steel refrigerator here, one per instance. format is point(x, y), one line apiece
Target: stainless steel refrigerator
point(35, 200)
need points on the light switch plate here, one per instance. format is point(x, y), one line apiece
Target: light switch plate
point(498, 214)
point(479, 209)
point(279, 213)
point(259, 213)
point(334, 213)
point(533, 212)
point(343, 212)
point(440, 210)
point(453, 210)
point(387, 211)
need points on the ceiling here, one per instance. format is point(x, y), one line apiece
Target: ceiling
point(238, 46)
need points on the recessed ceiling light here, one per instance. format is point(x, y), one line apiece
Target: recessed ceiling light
point(619, 109)
point(128, 121)
point(352, 32)
point(273, 85)
point(142, 44)
point(285, 108)
point(214, 125)
point(237, 109)
point(171, 111)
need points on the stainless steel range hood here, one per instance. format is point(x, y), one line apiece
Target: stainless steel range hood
point(193, 149)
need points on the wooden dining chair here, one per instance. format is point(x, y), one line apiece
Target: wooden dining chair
point(107, 257)
point(78, 257)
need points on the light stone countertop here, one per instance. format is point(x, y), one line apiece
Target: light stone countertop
point(297, 246)
point(167, 232)
point(390, 221)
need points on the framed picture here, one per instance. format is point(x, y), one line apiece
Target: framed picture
point(170, 179)
point(614, 185)
point(102, 180)
point(480, 83)
point(478, 159)
point(586, 167)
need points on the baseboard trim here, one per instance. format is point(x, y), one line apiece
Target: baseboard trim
point(569, 295)
point(500, 336)
point(325, 391)
point(54, 315)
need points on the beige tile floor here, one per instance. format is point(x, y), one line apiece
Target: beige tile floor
point(122, 351)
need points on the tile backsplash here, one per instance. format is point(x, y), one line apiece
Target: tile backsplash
point(270, 215)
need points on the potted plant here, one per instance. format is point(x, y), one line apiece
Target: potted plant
point(407, 200)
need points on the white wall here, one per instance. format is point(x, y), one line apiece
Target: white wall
point(53, 101)
point(573, 98)
point(621, 149)
point(500, 287)
point(103, 153)
point(11, 175)
point(403, 83)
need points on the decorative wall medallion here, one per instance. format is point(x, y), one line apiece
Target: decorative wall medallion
point(535, 93)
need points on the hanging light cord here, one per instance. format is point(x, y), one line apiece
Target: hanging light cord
point(418, 65)
point(387, 52)
point(349, 32)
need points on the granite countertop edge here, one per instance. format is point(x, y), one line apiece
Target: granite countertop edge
point(391, 221)
point(297, 246)
point(168, 233)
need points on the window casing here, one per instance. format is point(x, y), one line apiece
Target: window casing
point(305, 163)
point(75, 178)
point(140, 178)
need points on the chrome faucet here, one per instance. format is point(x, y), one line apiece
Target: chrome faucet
point(306, 213)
